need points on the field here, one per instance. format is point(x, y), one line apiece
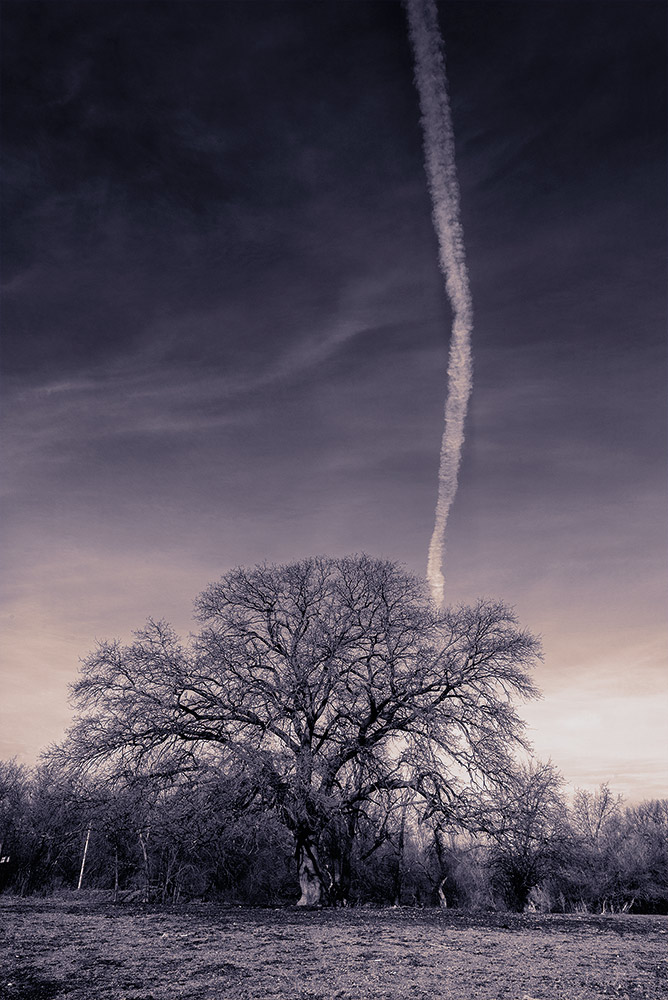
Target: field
point(87, 950)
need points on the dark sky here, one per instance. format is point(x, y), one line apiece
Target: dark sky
point(225, 331)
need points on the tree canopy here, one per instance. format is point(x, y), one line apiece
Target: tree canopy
point(322, 685)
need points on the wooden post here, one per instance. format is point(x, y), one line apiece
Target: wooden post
point(83, 860)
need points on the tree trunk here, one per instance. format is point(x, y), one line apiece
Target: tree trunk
point(345, 873)
point(310, 881)
point(340, 851)
point(115, 897)
point(443, 868)
point(147, 870)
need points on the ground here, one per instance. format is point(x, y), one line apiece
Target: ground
point(87, 949)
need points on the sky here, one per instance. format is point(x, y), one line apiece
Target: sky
point(225, 332)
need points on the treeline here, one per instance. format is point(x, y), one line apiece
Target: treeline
point(328, 736)
point(214, 839)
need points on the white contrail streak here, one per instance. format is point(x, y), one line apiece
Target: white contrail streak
point(439, 148)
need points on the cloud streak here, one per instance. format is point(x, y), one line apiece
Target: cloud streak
point(442, 179)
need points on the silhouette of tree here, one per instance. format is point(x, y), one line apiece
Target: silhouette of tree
point(321, 685)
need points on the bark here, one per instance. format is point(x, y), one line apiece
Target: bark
point(147, 871)
point(310, 881)
point(115, 897)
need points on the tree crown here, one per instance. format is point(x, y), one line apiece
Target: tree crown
point(337, 677)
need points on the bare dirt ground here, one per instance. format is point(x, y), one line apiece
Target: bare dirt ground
point(90, 950)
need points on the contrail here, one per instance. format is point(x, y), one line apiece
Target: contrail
point(439, 148)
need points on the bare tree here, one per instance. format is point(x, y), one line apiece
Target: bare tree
point(526, 822)
point(619, 860)
point(591, 811)
point(325, 683)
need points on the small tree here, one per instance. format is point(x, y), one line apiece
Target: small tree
point(584, 879)
point(591, 812)
point(526, 822)
point(325, 683)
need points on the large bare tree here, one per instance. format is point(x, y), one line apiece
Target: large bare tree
point(325, 684)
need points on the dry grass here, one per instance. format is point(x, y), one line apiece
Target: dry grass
point(87, 950)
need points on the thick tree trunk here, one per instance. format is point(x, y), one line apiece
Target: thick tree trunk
point(310, 881)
